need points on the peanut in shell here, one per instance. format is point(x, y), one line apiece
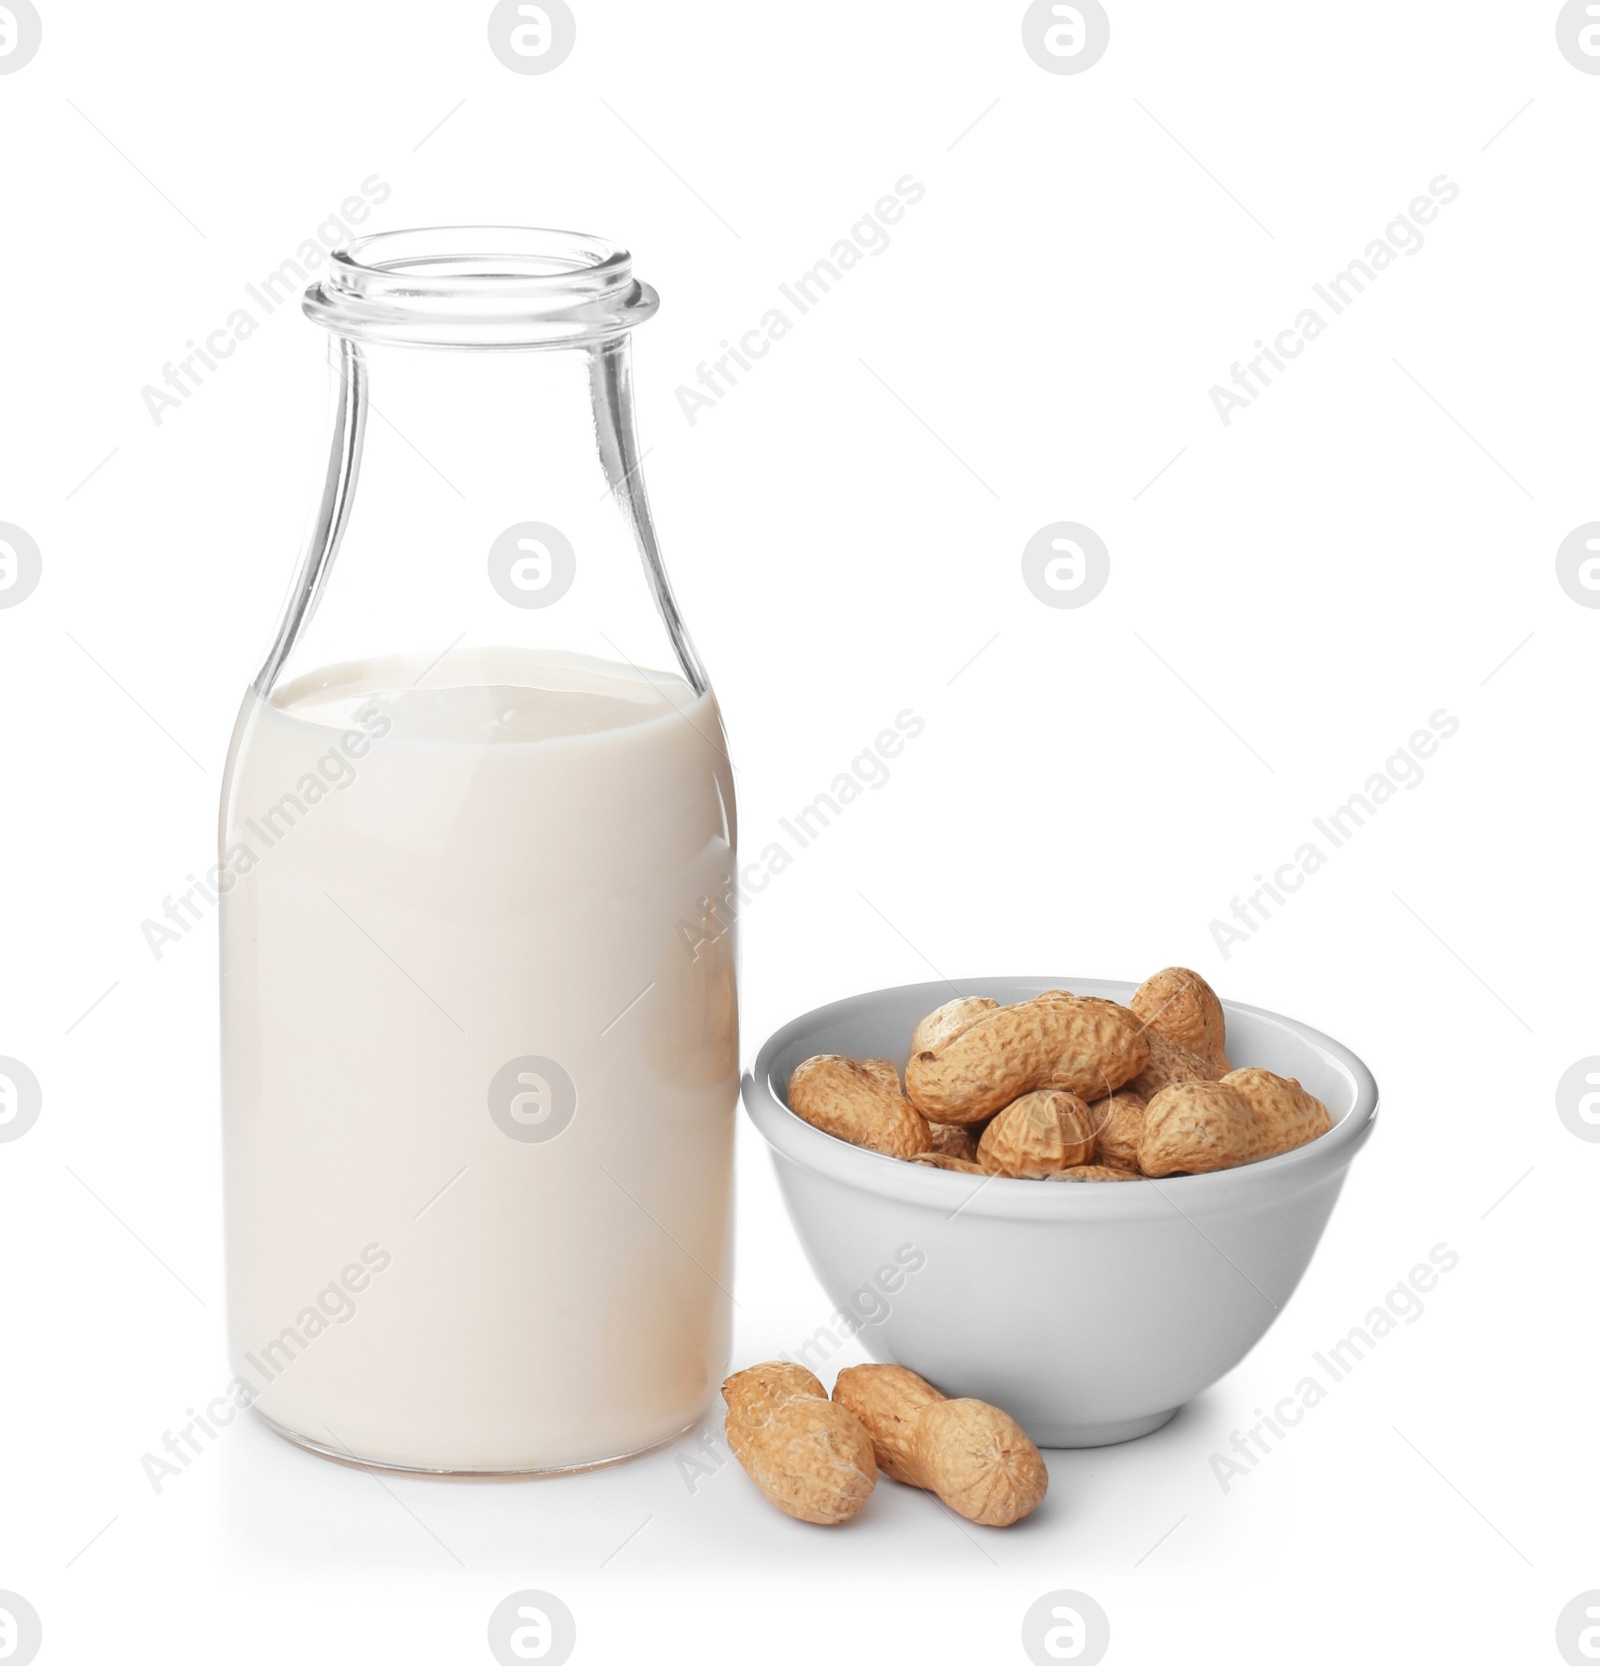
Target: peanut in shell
point(1251, 1114)
point(946, 1022)
point(811, 1457)
point(1182, 1006)
point(859, 1101)
point(1118, 1122)
point(972, 1455)
point(1083, 1045)
point(1038, 1134)
point(1170, 1061)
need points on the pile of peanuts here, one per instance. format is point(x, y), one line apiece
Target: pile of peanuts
point(1066, 1087)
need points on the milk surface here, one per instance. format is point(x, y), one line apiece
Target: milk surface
point(479, 1059)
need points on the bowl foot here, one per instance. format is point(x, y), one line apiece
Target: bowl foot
point(1099, 1434)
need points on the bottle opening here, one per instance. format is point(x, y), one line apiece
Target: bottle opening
point(481, 286)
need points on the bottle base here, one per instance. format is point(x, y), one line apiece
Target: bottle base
point(356, 1460)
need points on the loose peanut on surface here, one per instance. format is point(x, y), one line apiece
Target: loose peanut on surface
point(1038, 1134)
point(970, 1454)
point(886, 1399)
point(979, 1462)
point(1198, 1127)
point(1088, 1047)
point(811, 1457)
point(986, 1089)
point(860, 1102)
point(1182, 1006)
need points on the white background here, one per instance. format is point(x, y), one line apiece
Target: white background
point(1288, 601)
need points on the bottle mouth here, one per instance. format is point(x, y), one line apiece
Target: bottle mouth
point(481, 286)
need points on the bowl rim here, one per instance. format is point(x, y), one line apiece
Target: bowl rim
point(1222, 1192)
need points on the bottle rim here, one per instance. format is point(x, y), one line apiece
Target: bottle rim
point(481, 286)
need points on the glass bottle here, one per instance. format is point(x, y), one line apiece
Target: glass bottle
point(477, 844)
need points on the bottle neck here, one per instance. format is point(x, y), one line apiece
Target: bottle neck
point(481, 497)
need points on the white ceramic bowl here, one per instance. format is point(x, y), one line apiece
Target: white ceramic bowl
point(1090, 1312)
